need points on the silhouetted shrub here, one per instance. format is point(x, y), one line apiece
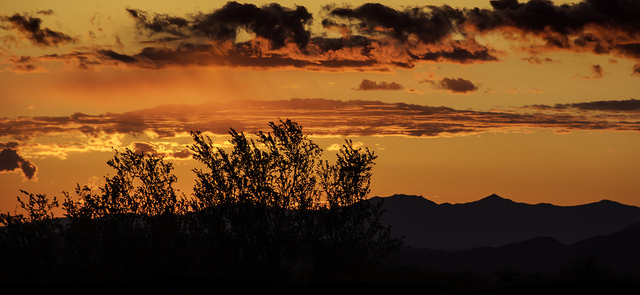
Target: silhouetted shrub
point(29, 244)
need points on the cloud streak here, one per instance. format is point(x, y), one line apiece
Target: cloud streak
point(631, 106)
point(326, 118)
point(31, 28)
point(366, 85)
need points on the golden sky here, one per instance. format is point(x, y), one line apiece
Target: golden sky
point(534, 101)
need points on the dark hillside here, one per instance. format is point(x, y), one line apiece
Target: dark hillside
point(494, 221)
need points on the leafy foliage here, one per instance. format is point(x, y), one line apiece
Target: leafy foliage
point(142, 185)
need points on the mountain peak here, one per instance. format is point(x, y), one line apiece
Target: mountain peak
point(495, 198)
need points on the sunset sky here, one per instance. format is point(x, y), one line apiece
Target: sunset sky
point(536, 101)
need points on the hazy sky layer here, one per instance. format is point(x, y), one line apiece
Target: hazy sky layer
point(535, 101)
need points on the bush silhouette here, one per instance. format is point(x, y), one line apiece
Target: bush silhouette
point(28, 242)
point(154, 194)
point(270, 210)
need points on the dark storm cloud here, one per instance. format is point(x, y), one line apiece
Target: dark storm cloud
point(600, 26)
point(272, 22)
point(372, 85)
point(373, 36)
point(630, 49)
point(429, 24)
point(543, 15)
point(11, 161)
point(281, 37)
point(30, 27)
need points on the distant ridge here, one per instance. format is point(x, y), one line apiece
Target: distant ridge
point(597, 257)
point(495, 221)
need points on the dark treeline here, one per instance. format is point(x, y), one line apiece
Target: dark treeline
point(268, 211)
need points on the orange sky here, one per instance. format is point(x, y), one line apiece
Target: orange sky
point(535, 101)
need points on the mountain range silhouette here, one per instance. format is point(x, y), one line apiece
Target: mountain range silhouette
point(497, 234)
point(496, 221)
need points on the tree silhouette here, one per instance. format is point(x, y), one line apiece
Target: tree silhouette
point(143, 185)
point(281, 203)
point(130, 224)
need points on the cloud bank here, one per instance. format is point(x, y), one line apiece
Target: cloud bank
point(330, 118)
point(372, 36)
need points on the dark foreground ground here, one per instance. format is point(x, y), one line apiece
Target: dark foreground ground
point(395, 278)
point(201, 286)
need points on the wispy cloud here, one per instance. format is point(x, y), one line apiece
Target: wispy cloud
point(30, 27)
point(24, 64)
point(632, 106)
point(597, 73)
